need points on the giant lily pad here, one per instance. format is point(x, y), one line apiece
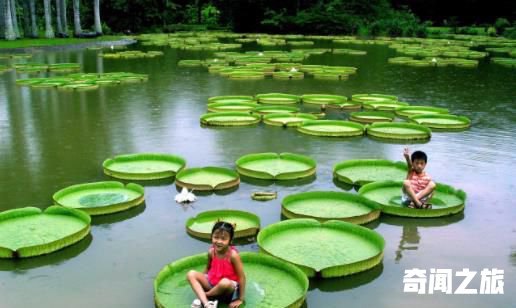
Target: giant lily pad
point(246, 224)
point(230, 119)
point(231, 99)
point(143, 166)
point(269, 109)
point(331, 128)
point(29, 232)
point(100, 197)
point(442, 121)
point(274, 166)
point(376, 98)
point(278, 99)
point(367, 117)
point(326, 205)
point(323, 99)
point(287, 119)
point(333, 248)
point(269, 282)
point(363, 171)
point(401, 131)
point(407, 111)
point(384, 105)
point(232, 106)
point(207, 178)
point(446, 200)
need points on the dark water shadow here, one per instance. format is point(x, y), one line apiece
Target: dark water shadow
point(20, 265)
point(236, 242)
point(144, 183)
point(396, 141)
point(421, 222)
point(282, 183)
point(347, 282)
point(204, 193)
point(117, 217)
point(344, 186)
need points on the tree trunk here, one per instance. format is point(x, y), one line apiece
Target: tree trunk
point(76, 18)
point(58, 18)
point(98, 26)
point(64, 19)
point(34, 24)
point(26, 18)
point(8, 26)
point(14, 18)
point(49, 32)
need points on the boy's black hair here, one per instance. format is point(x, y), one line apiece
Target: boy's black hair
point(224, 226)
point(419, 155)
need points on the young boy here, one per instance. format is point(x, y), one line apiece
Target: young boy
point(418, 186)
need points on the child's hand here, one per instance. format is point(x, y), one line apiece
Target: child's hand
point(406, 152)
point(236, 303)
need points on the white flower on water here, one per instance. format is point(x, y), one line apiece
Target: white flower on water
point(293, 70)
point(434, 60)
point(185, 196)
point(260, 54)
point(112, 47)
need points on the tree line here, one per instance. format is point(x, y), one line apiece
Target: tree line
point(356, 17)
point(36, 14)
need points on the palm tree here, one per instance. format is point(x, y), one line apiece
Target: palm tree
point(14, 17)
point(76, 18)
point(58, 19)
point(49, 32)
point(96, 8)
point(8, 21)
point(64, 20)
point(34, 25)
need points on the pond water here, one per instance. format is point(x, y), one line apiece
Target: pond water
point(51, 139)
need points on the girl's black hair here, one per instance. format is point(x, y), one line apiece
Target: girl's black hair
point(224, 226)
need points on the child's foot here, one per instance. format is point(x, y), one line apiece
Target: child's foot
point(212, 304)
point(426, 206)
point(196, 303)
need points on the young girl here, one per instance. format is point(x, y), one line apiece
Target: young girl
point(224, 276)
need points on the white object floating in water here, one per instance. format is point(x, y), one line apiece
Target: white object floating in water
point(260, 54)
point(112, 47)
point(293, 70)
point(185, 196)
point(434, 60)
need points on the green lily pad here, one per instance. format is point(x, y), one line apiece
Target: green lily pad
point(143, 166)
point(278, 99)
point(232, 107)
point(231, 99)
point(400, 131)
point(367, 117)
point(323, 99)
point(384, 105)
point(29, 232)
point(270, 109)
point(446, 200)
point(101, 197)
point(327, 205)
point(246, 224)
point(442, 121)
point(333, 248)
point(364, 171)
point(207, 178)
point(416, 110)
point(230, 119)
point(269, 282)
point(331, 128)
point(274, 166)
point(287, 119)
point(376, 98)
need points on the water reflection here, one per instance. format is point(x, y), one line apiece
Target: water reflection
point(109, 219)
point(347, 282)
point(19, 266)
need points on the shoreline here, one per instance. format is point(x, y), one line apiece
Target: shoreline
point(68, 46)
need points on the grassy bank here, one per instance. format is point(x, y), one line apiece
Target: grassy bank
point(41, 42)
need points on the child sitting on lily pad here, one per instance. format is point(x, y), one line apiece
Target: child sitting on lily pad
point(223, 278)
point(418, 186)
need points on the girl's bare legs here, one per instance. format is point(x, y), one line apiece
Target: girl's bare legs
point(224, 287)
point(199, 285)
